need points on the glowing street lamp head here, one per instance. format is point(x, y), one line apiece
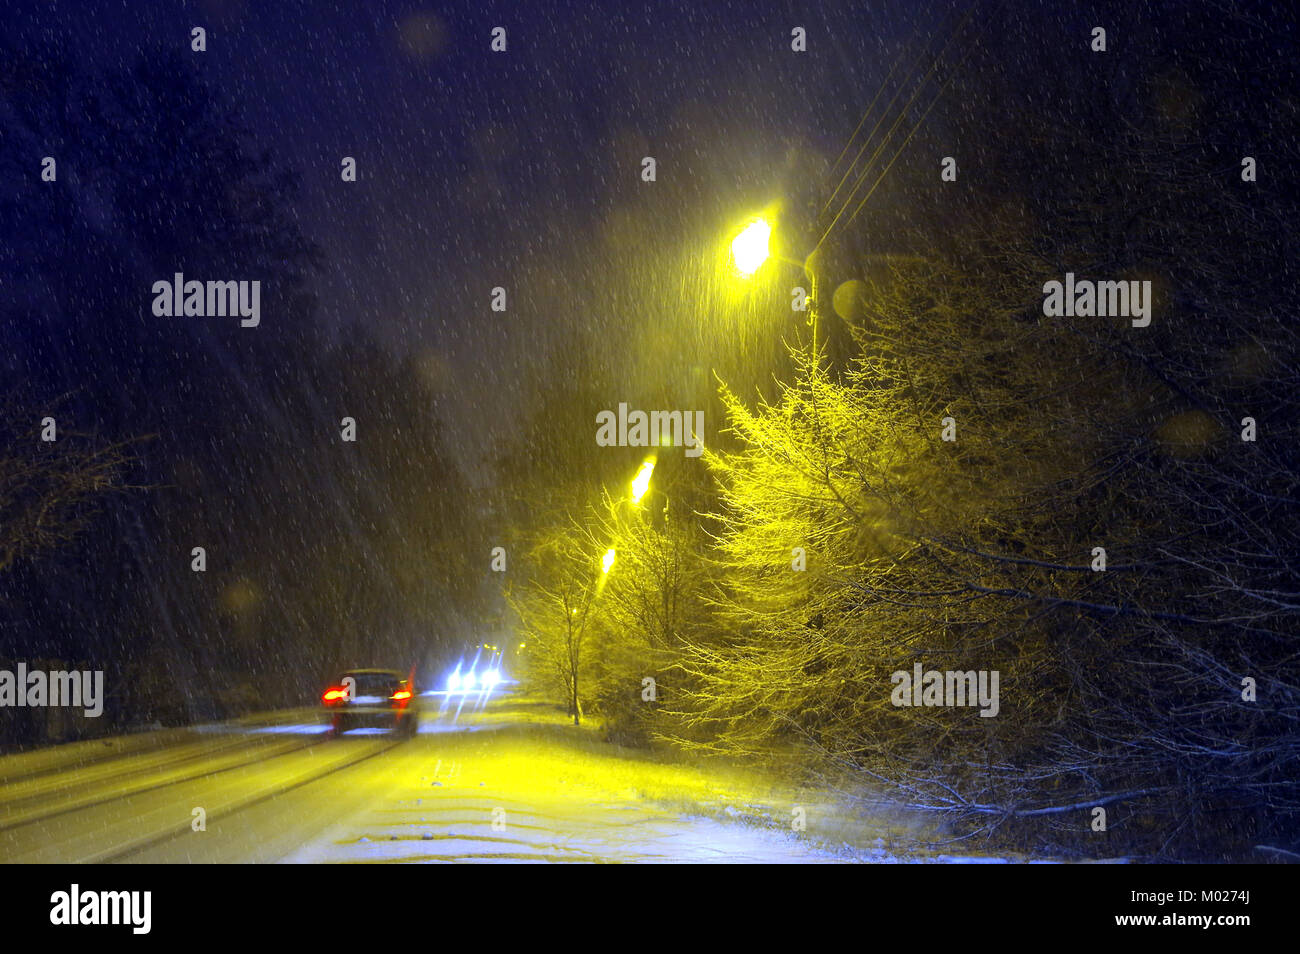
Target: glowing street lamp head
point(641, 482)
point(749, 249)
point(608, 560)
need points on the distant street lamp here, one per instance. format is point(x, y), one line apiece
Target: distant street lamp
point(607, 561)
point(641, 482)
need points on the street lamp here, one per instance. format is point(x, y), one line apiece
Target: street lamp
point(607, 561)
point(641, 482)
point(751, 248)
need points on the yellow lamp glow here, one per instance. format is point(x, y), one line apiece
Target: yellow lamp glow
point(608, 560)
point(641, 482)
point(749, 249)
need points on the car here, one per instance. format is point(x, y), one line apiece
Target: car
point(372, 697)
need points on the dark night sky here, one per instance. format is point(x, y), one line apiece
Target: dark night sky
point(431, 115)
point(480, 169)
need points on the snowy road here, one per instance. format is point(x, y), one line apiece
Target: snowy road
point(512, 792)
point(508, 783)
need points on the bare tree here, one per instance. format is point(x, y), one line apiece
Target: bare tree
point(556, 610)
point(50, 489)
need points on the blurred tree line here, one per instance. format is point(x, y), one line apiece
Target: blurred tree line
point(320, 553)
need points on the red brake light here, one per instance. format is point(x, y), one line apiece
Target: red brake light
point(401, 694)
point(335, 694)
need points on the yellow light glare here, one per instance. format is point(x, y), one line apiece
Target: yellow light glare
point(749, 249)
point(608, 560)
point(641, 482)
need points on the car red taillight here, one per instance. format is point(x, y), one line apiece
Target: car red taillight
point(334, 694)
point(401, 695)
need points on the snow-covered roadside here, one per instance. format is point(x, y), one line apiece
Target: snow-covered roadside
point(537, 790)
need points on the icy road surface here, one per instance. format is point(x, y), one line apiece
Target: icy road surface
point(505, 780)
point(502, 791)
